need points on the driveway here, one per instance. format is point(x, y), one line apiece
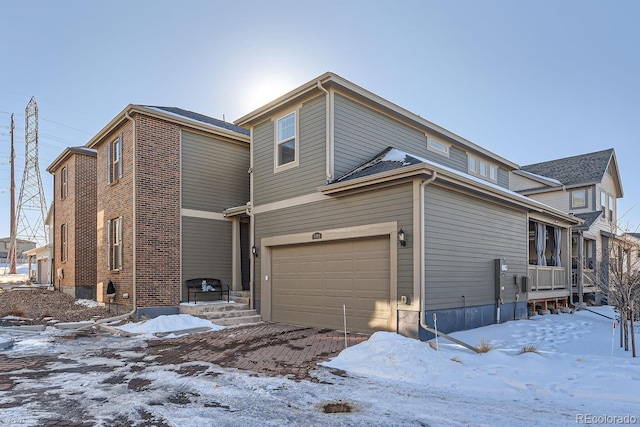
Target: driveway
point(72, 381)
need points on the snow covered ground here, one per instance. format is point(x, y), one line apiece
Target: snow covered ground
point(578, 375)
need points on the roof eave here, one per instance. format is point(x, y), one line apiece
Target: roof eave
point(133, 108)
point(66, 153)
point(332, 79)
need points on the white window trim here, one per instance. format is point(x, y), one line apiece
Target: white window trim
point(276, 143)
point(477, 172)
point(473, 171)
point(114, 165)
point(113, 246)
point(64, 183)
point(438, 150)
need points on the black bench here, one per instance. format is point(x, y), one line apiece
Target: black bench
point(195, 287)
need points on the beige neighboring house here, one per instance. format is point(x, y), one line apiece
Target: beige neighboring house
point(586, 186)
point(39, 258)
point(22, 246)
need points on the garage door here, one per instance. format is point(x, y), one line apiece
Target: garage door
point(311, 283)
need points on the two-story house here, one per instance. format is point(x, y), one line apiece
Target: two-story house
point(368, 215)
point(164, 177)
point(74, 219)
point(586, 186)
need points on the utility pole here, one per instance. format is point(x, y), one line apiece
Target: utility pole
point(13, 241)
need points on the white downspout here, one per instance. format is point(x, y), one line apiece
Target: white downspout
point(133, 289)
point(329, 134)
point(423, 322)
point(252, 227)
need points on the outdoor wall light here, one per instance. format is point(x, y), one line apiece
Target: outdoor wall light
point(402, 238)
point(254, 251)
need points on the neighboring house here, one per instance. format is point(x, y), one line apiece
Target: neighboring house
point(41, 257)
point(586, 186)
point(368, 215)
point(74, 222)
point(164, 177)
point(21, 244)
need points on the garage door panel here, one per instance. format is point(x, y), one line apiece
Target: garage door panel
point(312, 282)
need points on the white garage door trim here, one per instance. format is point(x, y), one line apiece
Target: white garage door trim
point(389, 229)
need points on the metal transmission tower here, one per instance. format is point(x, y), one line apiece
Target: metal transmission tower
point(31, 204)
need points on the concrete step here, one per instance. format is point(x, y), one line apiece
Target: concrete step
point(244, 294)
point(240, 300)
point(200, 308)
point(212, 315)
point(232, 321)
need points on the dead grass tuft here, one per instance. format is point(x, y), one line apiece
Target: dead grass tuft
point(485, 346)
point(530, 348)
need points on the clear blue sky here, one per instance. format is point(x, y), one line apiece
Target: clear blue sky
point(528, 80)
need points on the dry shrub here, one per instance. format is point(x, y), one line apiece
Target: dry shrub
point(530, 348)
point(485, 346)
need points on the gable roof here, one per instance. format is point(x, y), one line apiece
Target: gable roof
point(584, 169)
point(67, 153)
point(321, 84)
point(200, 118)
point(589, 218)
point(176, 115)
point(393, 164)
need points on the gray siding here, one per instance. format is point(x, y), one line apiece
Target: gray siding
point(206, 250)
point(309, 174)
point(463, 237)
point(503, 178)
point(214, 173)
point(383, 205)
point(361, 133)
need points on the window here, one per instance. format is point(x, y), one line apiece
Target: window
point(610, 207)
point(114, 244)
point(438, 147)
point(63, 183)
point(578, 199)
point(493, 173)
point(63, 243)
point(114, 160)
point(286, 142)
point(483, 168)
point(473, 164)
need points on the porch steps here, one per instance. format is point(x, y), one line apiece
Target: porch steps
point(225, 314)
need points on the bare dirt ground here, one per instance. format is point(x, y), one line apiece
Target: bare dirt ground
point(40, 306)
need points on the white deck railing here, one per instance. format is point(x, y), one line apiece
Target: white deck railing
point(544, 278)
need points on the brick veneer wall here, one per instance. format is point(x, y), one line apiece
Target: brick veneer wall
point(85, 224)
point(115, 200)
point(64, 213)
point(158, 213)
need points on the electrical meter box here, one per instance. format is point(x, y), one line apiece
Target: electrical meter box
point(501, 269)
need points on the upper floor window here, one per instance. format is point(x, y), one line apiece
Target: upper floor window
point(114, 160)
point(437, 146)
point(64, 247)
point(114, 244)
point(483, 169)
point(63, 183)
point(493, 173)
point(578, 199)
point(286, 149)
point(473, 164)
point(610, 207)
